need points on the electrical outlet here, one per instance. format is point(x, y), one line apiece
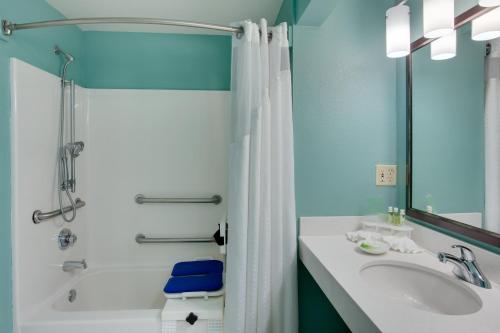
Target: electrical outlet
point(386, 175)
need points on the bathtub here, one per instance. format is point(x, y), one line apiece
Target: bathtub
point(108, 300)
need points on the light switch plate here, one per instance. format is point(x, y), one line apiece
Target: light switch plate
point(386, 175)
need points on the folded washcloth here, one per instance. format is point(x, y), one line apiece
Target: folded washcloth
point(356, 236)
point(197, 267)
point(396, 243)
point(402, 244)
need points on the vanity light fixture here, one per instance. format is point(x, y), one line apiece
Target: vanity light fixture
point(439, 18)
point(445, 47)
point(487, 27)
point(489, 3)
point(398, 31)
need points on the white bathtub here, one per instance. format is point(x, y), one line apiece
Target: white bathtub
point(107, 300)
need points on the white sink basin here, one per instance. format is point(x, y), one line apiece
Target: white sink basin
point(421, 287)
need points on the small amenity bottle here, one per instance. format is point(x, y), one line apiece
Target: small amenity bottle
point(390, 215)
point(402, 217)
point(396, 219)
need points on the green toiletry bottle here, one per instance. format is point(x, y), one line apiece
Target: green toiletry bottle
point(396, 220)
point(402, 217)
point(390, 215)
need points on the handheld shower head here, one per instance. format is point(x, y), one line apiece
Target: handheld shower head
point(67, 57)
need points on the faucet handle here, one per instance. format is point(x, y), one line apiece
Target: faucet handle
point(465, 252)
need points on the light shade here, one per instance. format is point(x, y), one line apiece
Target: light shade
point(439, 18)
point(489, 3)
point(398, 31)
point(445, 47)
point(487, 26)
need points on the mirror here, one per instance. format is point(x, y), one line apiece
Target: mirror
point(454, 138)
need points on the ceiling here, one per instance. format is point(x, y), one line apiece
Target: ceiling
point(223, 12)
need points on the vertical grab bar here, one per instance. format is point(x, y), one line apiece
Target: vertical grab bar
point(72, 133)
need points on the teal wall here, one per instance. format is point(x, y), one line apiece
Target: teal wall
point(345, 123)
point(448, 128)
point(344, 111)
point(300, 7)
point(34, 47)
point(124, 60)
point(286, 12)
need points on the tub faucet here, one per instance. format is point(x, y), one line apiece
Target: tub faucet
point(466, 267)
point(70, 266)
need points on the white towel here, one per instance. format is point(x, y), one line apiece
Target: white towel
point(396, 243)
point(402, 244)
point(356, 236)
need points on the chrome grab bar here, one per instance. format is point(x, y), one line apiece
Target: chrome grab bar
point(141, 199)
point(142, 239)
point(38, 216)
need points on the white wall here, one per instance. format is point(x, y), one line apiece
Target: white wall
point(35, 126)
point(159, 143)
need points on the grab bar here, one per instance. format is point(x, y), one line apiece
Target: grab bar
point(38, 216)
point(141, 199)
point(142, 239)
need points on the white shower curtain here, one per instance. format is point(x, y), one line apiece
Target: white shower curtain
point(492, 139)
point(261, 272)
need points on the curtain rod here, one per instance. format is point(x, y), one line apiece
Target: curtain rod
point(9, 27)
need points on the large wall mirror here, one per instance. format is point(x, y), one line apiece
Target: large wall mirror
point(454, 136)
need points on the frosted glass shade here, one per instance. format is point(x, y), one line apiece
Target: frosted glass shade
point(445, 47)
point(398, 31)
point(487, 26)
point(439, 18)
point(489, 3)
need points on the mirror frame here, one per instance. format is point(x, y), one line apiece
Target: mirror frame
point(479, 234)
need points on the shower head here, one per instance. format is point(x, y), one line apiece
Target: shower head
point(67, 57)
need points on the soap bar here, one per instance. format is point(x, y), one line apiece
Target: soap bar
point(197, 267)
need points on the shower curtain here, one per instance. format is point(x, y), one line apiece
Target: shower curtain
point(261, 272)
point(492, 139)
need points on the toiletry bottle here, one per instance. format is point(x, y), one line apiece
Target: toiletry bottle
point(396, 219)
point(402, 217)
point(390, 215)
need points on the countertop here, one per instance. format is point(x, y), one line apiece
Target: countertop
point(335, 263)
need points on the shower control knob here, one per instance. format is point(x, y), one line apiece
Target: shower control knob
point(66, 239)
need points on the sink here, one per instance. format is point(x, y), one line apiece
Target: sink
point(420, 287)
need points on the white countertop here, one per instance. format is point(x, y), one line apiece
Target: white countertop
point(335, 263)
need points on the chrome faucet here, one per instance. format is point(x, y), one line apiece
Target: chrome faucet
point(70, 266)
point(466, 267)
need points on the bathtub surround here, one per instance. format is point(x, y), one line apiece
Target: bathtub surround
point(179, 143)
point(262, 255)
point(108, 181)
point(34, 47)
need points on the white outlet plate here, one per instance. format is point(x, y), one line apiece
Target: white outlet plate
point(386, 175)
